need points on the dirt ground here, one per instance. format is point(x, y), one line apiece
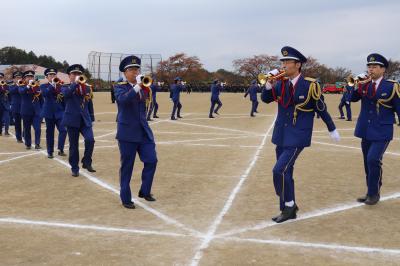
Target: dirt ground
point(215, 196)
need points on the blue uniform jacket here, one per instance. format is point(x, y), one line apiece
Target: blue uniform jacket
point(53, 108)
point(29, 104)
point(154, 88)
point(347, 92)
point(253, 93)
point(4, 99)
point(176, 92)
point(15, 99)
point(131, 118)
point(215, 91)
point(76, 108)
point(290, 132)
point(375, 122)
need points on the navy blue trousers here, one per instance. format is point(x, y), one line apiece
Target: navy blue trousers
point(348, 110)
point(17, 125)
point(73, 137)
point(28, 122)
point(5, 120)
point(373, 154)
point(176, 109)
point(51, 124)
point(153, 108)
point(254, 105)
point(283, 173)
point(213, 103)
point(148, 155)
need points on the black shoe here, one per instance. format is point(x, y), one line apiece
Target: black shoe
point(129, 205)
point(89, 168)
point(37, 147)
point(180, 116)
point(216, 113)
point(75, 174)
point(276, 217)
point(149, 119)
point(256, 112)
point(210, 116)
point(155, 116)
point(342, 117)
point(372, 200)
point(252, 115)
point(7, 134)
point(61, 153)
point(362, 199)
point(20, 141)
point(50, 156)
point(148, 198)
point(287, 214)
point(173, 118)
point(28, 147)
point(348, 120)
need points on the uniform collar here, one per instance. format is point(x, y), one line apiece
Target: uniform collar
point(377, 82)
point(294, 81)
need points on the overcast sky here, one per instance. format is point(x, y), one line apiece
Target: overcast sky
point(337, 33)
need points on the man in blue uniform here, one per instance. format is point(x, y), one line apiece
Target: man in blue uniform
point(215, 91)
point(253, 97)
point(31, 102)
point(4, 106)
point(53, 112)
point(78, 118)
point(16, 105)
point(175, 93)
point(154, 105)
point(133, 132)
point(345, 101)
point(298, 99)
point(379, 103)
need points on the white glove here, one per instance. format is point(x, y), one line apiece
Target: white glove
point(334, 135)
point(347, 102)
point(362, 75)
point(139, 79)
point(274, 72)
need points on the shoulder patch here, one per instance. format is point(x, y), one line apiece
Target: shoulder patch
point(310, 79)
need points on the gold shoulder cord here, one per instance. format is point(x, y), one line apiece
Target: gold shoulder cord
point(384, 102)
point(315, 93)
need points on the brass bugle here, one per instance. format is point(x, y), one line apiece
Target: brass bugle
point(351, 81)
point(33, 83)
point(82, 79)
point(3, 83)
point(359, 79)
point(56, 80)
point(264, 78)
point(146, 81)
point(20, 82)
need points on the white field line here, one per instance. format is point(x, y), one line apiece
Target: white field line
point(214, 226)
point(335, 247)
point(105, 185)
point(88, 227)
point(306, 216)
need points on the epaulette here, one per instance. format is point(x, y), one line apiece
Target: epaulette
point(392, 80)
point(310, 79)
point(122, 83)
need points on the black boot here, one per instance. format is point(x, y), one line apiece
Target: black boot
point(287, 214)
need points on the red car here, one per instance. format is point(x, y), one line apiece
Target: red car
point(332, 88)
